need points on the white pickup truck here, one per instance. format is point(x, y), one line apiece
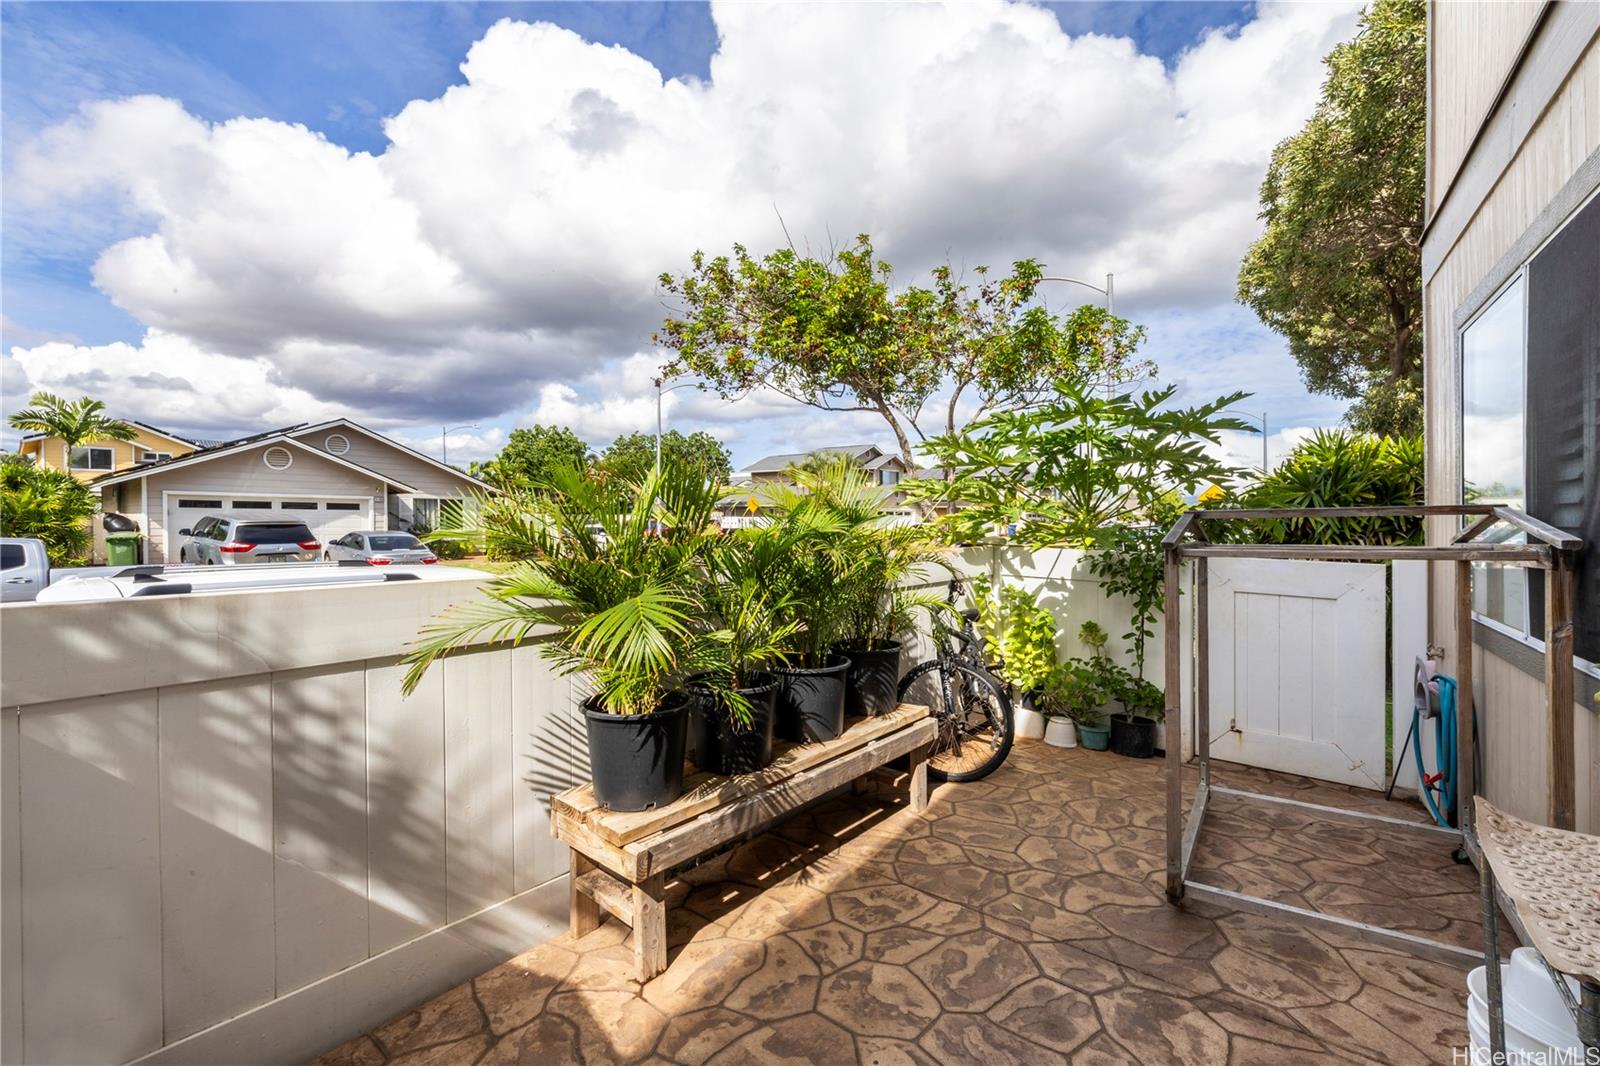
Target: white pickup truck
point(26, 577)
point(24, 569)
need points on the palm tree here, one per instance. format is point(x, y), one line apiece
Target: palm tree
point(75, 421)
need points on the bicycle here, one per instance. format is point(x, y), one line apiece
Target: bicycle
point(971, 705)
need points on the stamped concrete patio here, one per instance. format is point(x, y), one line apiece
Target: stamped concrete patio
point(1018, 920)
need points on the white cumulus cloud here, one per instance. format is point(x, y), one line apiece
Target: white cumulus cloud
point(505, 244)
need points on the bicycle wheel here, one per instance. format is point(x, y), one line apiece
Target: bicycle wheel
point(975, 727)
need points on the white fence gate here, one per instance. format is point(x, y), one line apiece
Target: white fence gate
point(1298, 666)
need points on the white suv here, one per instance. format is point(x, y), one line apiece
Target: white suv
point(225, 540)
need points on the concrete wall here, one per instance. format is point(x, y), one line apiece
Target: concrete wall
point(1504, 167)
point(227, 837)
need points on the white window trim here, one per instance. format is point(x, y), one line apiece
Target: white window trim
point(92, 448)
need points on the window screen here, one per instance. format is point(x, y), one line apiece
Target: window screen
point(1564, 410)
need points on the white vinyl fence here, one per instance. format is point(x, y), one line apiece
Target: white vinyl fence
point(227, 837)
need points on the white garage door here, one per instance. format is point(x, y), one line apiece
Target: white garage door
point(327, 517)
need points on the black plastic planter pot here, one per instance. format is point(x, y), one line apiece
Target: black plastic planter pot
point(811, 701)
point(723, 747)
point(1133, 736)
point(637, 759)
point(873, 679)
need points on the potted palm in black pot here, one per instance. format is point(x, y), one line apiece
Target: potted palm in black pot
point(610, 581)
point(735, 713)
point(879, 564)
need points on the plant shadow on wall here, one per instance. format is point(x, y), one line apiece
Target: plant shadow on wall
point(673, 623)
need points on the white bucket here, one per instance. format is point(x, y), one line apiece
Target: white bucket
point(1537, 1020)
point(1029, 723)
point(1061, 733)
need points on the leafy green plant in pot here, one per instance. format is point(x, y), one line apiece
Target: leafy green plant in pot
point(1022, 634)
point(732, 722)
point(1133, 733)
point(1094, 730)
point(1072, 693)
point(610, 585)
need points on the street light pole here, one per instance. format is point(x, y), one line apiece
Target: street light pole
point(444, 440)
point(1106, 292)
point(661, 380)
point(1262, 417)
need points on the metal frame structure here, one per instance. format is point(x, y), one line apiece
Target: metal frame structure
point(1546, 548)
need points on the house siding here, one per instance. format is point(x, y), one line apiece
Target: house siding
point(246, 473)
point(1482, 39)
point(396, 462)
point(47, 451)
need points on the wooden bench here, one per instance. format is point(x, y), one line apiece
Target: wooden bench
point(620, 860)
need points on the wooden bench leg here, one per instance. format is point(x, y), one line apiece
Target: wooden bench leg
point(650, 927)
point(919, 777)
point(584, 912)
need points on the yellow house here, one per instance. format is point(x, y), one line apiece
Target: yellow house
point(94, 459)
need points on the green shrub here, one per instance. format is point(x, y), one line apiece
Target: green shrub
point(1020, 632)
point(56, 508)
point(1337, 468)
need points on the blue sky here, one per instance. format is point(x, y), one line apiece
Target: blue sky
point(340, 69)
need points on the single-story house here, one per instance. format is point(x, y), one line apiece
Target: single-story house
point(335, 476)
point(741, 506)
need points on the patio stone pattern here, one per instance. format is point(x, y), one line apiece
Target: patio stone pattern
point(1019, 919)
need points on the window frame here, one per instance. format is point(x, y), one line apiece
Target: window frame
point(111, 458)
point(1516, 273)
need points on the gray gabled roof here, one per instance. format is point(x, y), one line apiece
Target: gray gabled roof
point(244, 444)
point(785, 460)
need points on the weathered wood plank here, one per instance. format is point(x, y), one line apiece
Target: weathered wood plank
point(1466, 783)
point(583, 907)
point(661, 852)
point(1471, 532)
point(649, 927)
point(1509, 554)
point(1418, 511)
point(706, 791)
point(1544, 531)
point(613, 895)
point(1174, 722)
point(1560, 761)
point(917, 788)
point(216, 853)
point(1181, 527)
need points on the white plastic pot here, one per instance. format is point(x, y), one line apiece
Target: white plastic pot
point(1061, 733)
point(1028, 722)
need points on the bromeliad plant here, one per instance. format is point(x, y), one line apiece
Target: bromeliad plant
point(615, 571)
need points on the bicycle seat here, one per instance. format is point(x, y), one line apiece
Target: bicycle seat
point(971, 614)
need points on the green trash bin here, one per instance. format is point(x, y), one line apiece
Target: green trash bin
point(122, 549)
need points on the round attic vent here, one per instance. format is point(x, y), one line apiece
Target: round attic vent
point(337, 443)
point(279, 458)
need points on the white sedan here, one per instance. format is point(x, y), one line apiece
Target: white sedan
point(378, 547)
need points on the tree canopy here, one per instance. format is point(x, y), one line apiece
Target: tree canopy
point(36, 501)
point(76, 422)
point(531, 454)
point(1338, 269)
point(632, 455)
point(835, 333)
